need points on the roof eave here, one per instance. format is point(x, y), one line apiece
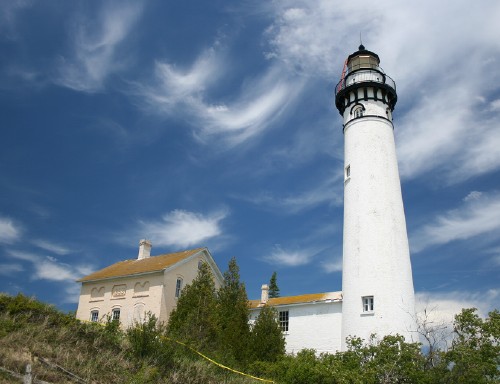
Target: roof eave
point(83, 280)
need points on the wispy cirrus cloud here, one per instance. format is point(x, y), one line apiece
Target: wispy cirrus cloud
point(9, 230)
point(51, 247)
point(181, 228)
point(333, 266)
point(6, 269)
point(185, 93)
point(50, 268)
point(327, 191)
point(8, 16)
point(477, 216)
point(289, 258)
point(96, 40)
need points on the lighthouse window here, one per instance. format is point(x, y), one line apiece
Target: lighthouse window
point(347, 172)
point(357, 110)
point(367, 303)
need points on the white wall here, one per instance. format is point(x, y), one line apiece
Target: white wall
point(312, 325)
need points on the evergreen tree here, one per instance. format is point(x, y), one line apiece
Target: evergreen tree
point(268, 342)
point(274, 291)
point(233, 316)
point(194, 320)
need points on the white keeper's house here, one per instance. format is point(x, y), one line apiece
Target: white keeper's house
point(377, 285)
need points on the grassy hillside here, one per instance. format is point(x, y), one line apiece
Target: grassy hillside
point(36, 333)
point(62, 349)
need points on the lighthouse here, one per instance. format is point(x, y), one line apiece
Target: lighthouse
point(377, 283)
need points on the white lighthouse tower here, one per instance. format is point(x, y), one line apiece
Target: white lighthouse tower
point(377, 282)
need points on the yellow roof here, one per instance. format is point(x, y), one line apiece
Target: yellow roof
point(309, 298)
point(135, 266)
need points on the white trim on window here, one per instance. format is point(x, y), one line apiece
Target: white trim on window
point(368, 304)
point(178, 287)
point(115, 314)
point(283, 318)
point(94, 315)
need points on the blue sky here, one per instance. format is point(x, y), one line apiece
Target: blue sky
point(212, 124)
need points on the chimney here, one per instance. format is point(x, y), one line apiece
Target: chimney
point(264, 297)
point(144, 249)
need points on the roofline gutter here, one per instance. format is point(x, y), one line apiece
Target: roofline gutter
point(121, 276)
point(296, 304)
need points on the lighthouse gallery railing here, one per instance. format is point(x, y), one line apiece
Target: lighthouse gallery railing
point(362, 76)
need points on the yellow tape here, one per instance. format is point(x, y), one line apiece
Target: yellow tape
point(216, 363)
point(199, 353)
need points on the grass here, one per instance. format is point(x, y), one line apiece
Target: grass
point(33, 332)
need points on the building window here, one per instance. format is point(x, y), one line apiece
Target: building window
point(178, 287)
point(94, 316)
point(358, 111)
point(347, 172)
point(115, 314)
point(367, 303)
point(283, 320)
point(200, 263)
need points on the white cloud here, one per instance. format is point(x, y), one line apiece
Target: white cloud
point(333, 266)
point(9, 231)
point(478, 216)
point(179, 85)
point(288, 258)
point(52, 247)
point(443, 306)
point(327, 191)
point(96, 41)
point(8, 16)
point(49, 268)
point(438, 309)
point(474, 195)
point(495, 105)
point(183, 228)
point(185, 93)
point(255, 109)
point(21, 255)
point(8, 269)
